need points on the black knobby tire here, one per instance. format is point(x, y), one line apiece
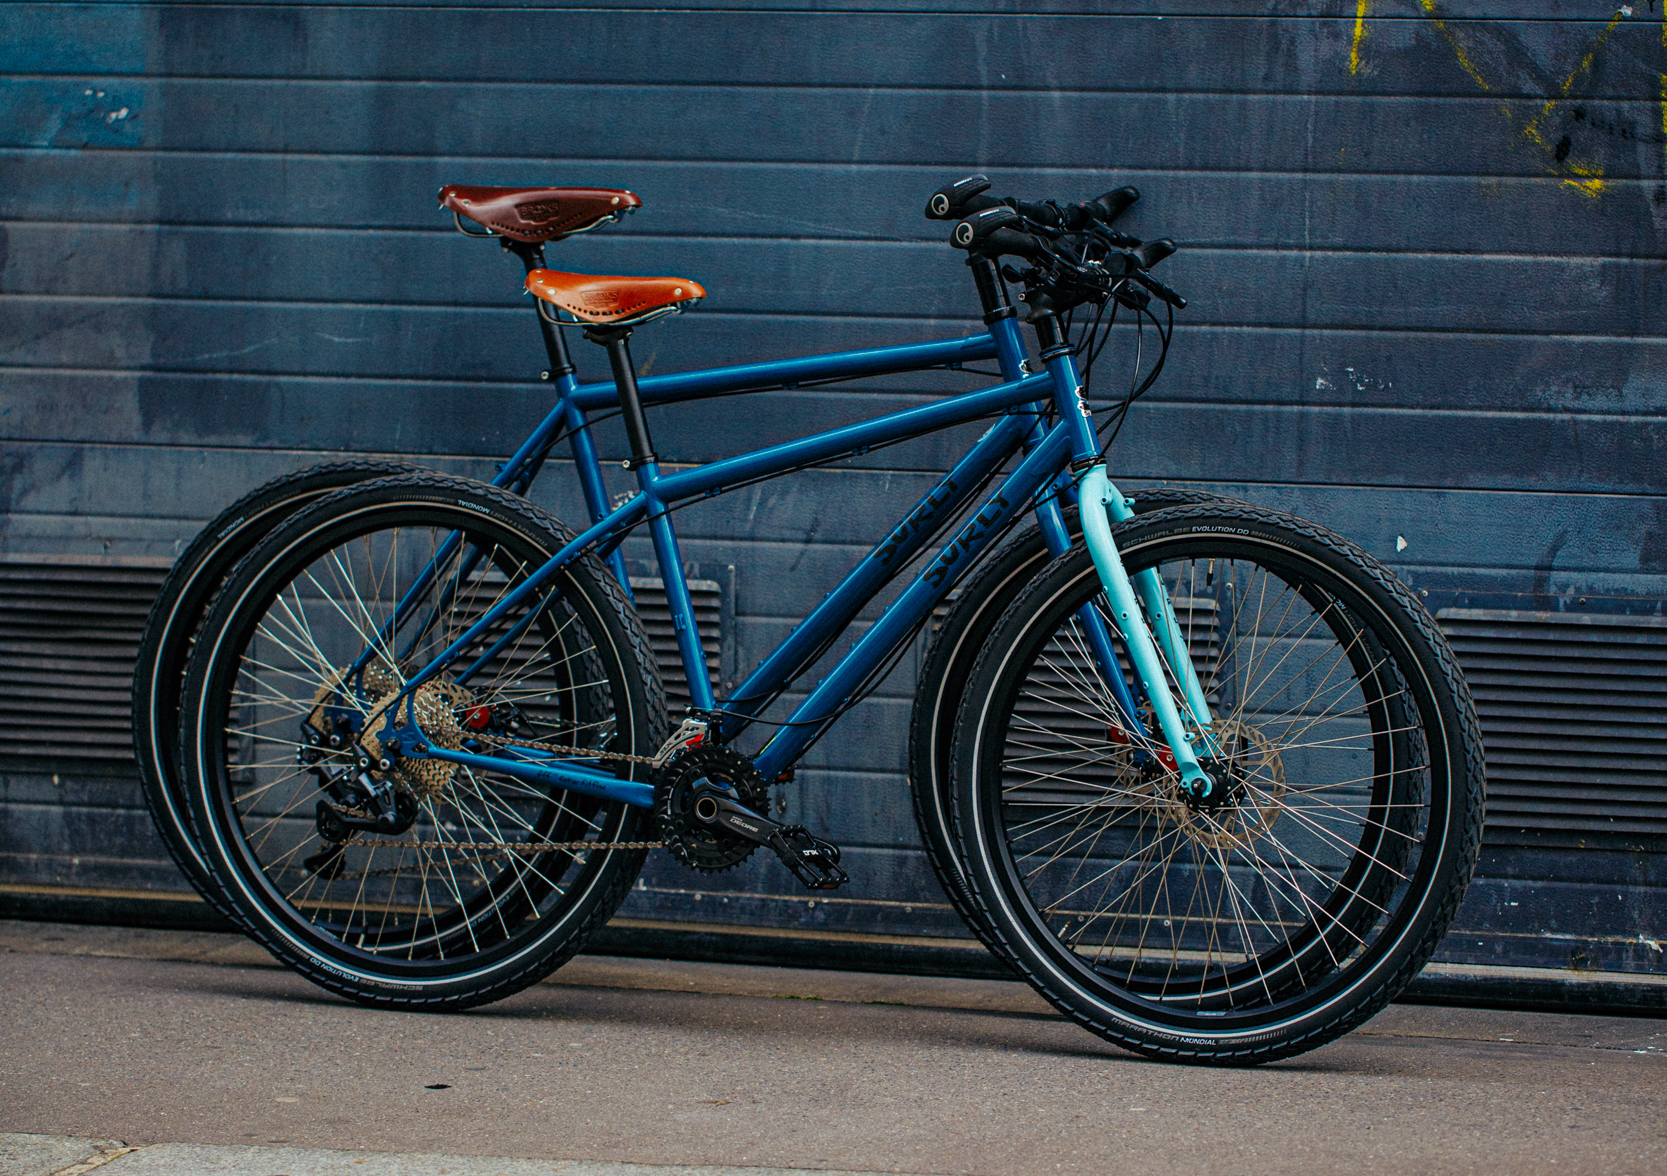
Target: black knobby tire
point(483, 894)
point(1324, 876)
point(993, 585)
point(159, 671)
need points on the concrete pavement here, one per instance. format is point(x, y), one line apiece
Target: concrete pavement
point(167, 1038)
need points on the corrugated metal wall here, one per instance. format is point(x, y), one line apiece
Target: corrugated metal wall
point(1422, 240)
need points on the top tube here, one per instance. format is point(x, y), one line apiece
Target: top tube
point(790, 372)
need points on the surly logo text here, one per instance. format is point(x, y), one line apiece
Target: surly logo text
point(962, 543)
point(918, 517)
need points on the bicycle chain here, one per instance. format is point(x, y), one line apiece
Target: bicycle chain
point(498, 848)
point(503, 850)
point(581, 752)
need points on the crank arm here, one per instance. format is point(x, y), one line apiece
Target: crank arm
point(813, 861)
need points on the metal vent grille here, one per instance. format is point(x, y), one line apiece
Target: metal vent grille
point(69, 635)
point(1574, 717)
point(650, 594)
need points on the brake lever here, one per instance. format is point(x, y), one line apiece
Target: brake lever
point(1162, 292)
point(1131, 296)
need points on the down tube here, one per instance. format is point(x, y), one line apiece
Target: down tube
point(877, 569)
point(898, 623)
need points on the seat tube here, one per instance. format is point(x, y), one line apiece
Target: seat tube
point(562, 374)
point(590, 479)
point(647, 466)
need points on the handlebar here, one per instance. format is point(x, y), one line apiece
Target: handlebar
point(992, 234)
point(967, 196)
point(1070, 245)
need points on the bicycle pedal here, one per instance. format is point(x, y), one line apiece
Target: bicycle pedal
point(813, 861)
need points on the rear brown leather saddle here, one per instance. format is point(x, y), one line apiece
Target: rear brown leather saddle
point(536, 215)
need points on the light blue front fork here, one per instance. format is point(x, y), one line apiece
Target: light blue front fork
point(1188, 736)
point(1100, 505)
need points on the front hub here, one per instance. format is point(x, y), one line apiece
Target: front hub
point(1216, 790)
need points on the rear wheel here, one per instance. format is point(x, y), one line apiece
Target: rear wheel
point(1314, 886)
point(159, 671)
point(491, 882)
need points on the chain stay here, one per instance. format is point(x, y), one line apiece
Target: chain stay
point(502, 849)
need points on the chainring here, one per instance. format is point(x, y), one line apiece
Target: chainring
point(689, 841)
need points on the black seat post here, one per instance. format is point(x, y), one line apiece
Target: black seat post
point(555, 346)
point(617, 341)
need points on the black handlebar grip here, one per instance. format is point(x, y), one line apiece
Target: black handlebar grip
point(982, 224)
point(948, 201)
point(1112, 205)
point(1152, 252)
point(1011, 243)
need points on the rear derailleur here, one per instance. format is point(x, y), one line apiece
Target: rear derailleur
point(362, 803)
point(707, 800)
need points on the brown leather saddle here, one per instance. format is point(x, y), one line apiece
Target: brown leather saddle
point(536, 215)
point(610, 301)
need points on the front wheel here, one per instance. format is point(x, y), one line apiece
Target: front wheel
point(488, 882)
point(978, 604)
point(1311, 888)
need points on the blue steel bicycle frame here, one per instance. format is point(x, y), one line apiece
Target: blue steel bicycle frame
point(1037, 482)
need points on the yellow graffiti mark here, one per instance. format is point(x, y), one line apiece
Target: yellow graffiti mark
point(1359, 36)
point(1457, 46)
point(1583, 177)
point(1585, 64)
point(1591, 181)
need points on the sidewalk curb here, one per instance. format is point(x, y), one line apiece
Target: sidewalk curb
point(190, 1159)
